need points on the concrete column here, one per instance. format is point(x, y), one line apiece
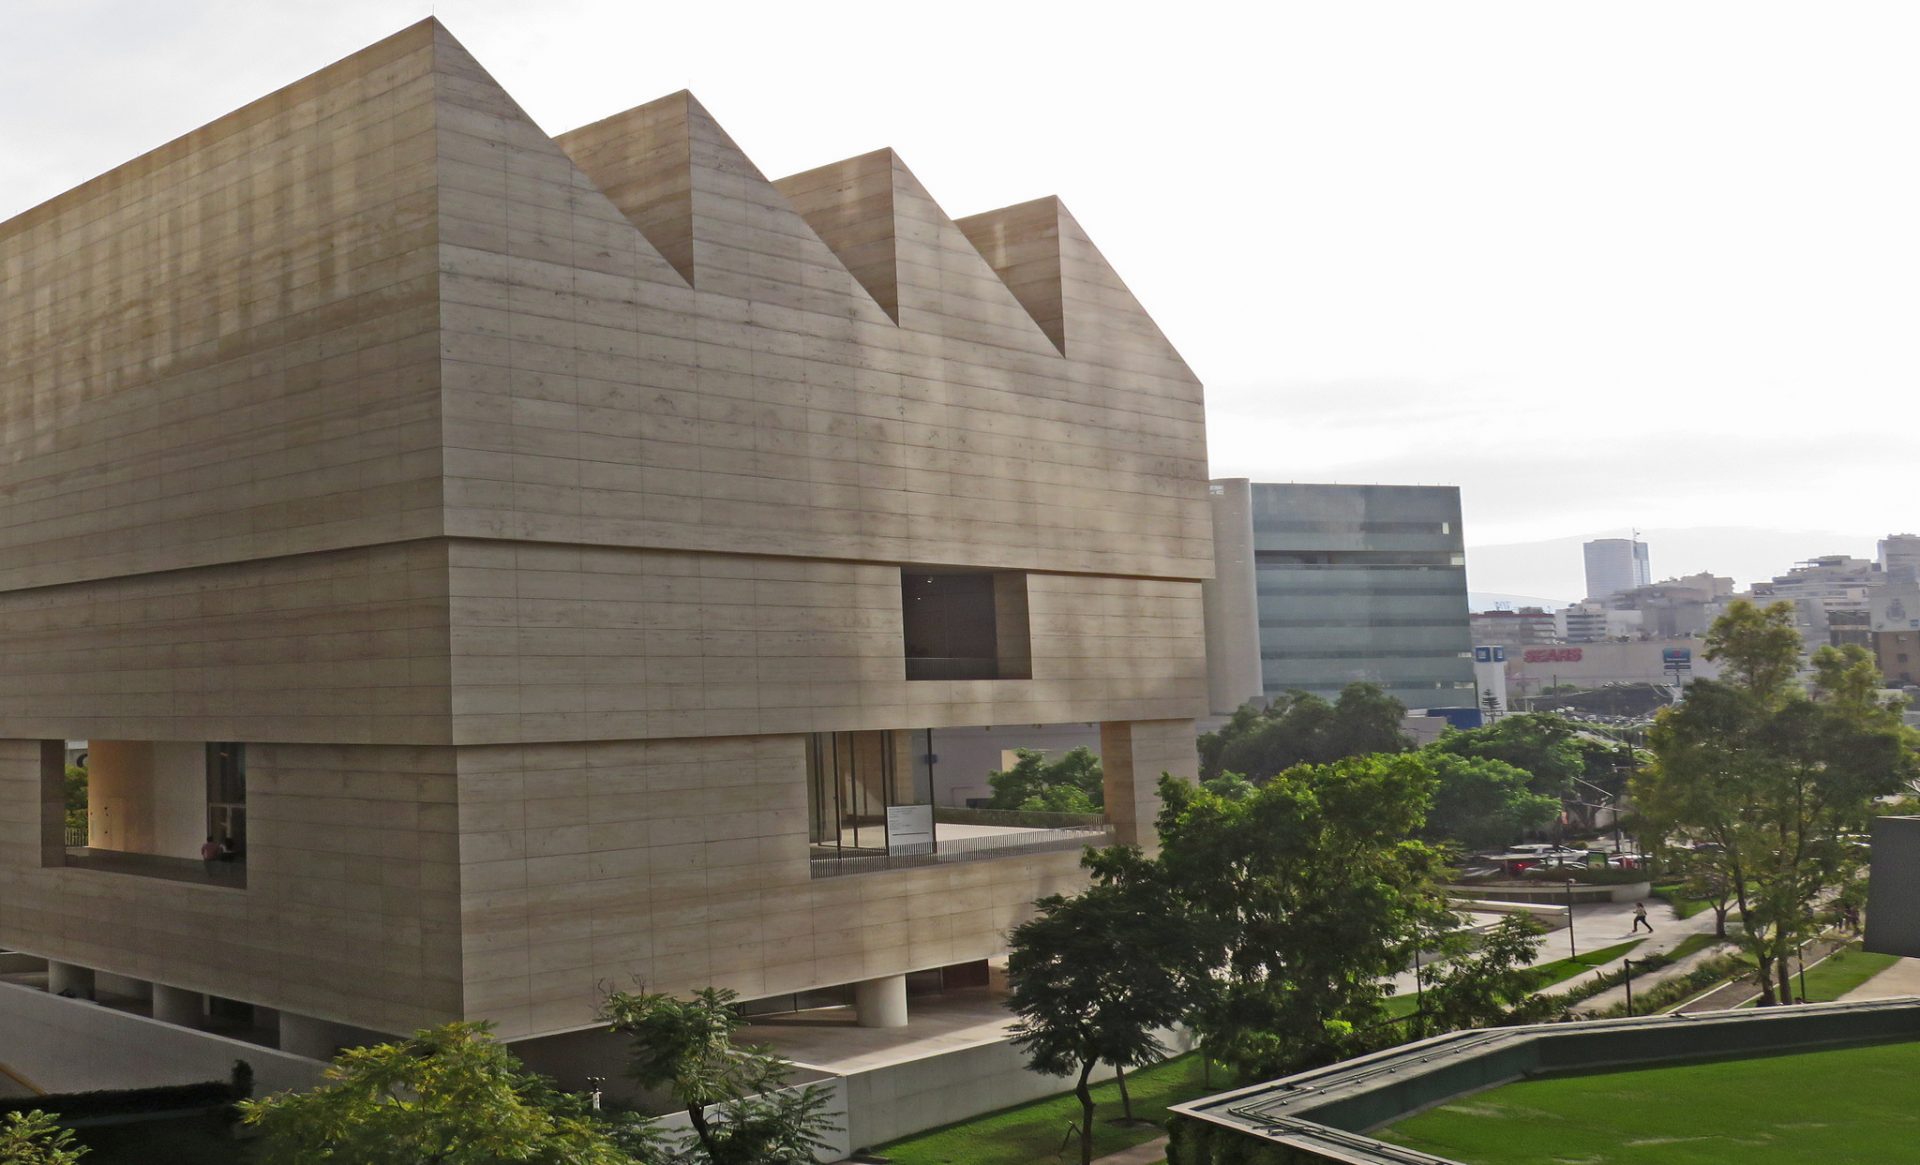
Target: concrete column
point(303, 1035)
point(1231, 600)
point(1133, 754)
point(881, 1002)
point(177, 1005)
point(69, 979)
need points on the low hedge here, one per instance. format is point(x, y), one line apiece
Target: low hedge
point(1192, 1142)
point(72, 1106)
point(1710, 973)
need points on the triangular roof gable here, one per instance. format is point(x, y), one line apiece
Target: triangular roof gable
point(678, 176)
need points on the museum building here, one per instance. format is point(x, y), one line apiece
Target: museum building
point(485, 566)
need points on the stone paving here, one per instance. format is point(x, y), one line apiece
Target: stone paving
point(1669, 931)
point(1903, 978)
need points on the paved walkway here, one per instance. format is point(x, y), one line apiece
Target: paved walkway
point(1150, 1153)
point(1745, 989)
point(1669, 931)
point(1903, 978)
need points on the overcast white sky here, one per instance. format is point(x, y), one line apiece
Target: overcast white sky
point(1646, 264)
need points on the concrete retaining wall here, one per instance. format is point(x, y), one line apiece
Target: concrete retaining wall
point(898, 1100)
point(73, 1045)
point(676, 1124)
point(1553, 895)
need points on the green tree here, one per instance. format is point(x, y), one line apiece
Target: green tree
point(76, 797)
point(1305, 894)
point(736, 1096)
point(1480, 802)
point(34, 1138)
point(450, 1095)
point(1544, 746)
point(1095, 976)
point(1490, 708)
point(1070, 784)
point(1773, 778)
point(1705, 879)
point(1301, 728)
point(1488, 982)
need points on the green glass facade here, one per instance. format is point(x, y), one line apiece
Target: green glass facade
point(1363, 582)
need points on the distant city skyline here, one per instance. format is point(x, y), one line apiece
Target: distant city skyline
point(1553, 569)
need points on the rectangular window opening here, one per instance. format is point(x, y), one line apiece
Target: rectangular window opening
point(156, 808)
point(965, 625)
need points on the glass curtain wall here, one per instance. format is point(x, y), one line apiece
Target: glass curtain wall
point(853, 778)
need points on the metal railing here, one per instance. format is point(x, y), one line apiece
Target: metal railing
point(1016, 818)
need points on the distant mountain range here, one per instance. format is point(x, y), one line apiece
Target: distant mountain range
point(1519, 572)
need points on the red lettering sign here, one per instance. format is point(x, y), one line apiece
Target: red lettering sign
point(1553, 655)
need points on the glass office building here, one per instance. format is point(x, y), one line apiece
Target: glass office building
point(1348, 583)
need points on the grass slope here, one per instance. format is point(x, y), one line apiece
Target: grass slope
point(1560, 970)
point(1848, 1104)
point(1682, 905)
point(1033, 1132)
point(1841, 972)
point(1690, 944)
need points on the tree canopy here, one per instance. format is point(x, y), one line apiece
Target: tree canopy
point(1095, 976)
point(1306, 892)
point(736, 1096)
point(1301, 728)
point(450, 1095)
point(1546, 747)
point(1481, 803)
point(1770, 779)
point(1071, 783)
point(1488, 982)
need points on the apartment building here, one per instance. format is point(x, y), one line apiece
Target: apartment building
point(532, 562)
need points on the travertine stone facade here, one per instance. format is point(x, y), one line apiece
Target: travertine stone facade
point(523, 503)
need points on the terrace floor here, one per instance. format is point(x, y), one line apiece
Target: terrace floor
point(829, 1037)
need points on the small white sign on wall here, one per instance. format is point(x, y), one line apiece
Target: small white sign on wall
point(909, 829)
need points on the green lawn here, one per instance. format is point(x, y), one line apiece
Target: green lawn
point(1690, 944)
point(1033, 1132)
point(1682, 905)
point(1838, 974)
point(1560, 970)
point(1848, 1104)
point(1842, 972)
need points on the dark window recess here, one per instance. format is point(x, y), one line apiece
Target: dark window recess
point(965, 625)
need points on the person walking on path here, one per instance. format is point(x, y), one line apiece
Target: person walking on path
point(1640, 919)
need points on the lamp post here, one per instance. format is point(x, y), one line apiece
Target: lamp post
point(1626, 980)
point(1802, 952)
point(1572, 951)
point(1419, 996)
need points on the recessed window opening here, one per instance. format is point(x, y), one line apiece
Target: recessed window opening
point(160, 808)
point(965, 625)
